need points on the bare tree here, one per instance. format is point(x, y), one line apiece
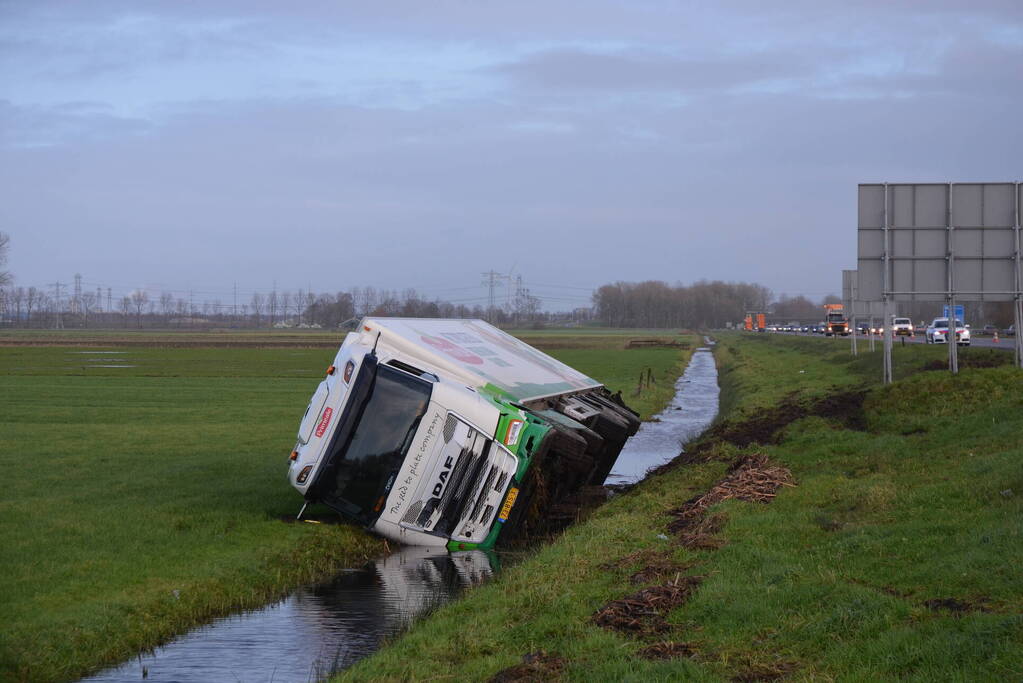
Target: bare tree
point(88, 305)
point(300, 305)
point(17, 299)
point(33, 298)
point(166, 305)
point(181, 309)
point(258, 302)
point(139, 299)
point(272, 303)
point(285, 304)
point(125, 309)
point(5, 246)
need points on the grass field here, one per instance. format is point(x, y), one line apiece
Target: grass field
point(144, 486)
point(896, 553)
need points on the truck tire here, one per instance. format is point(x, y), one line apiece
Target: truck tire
point(574, 462)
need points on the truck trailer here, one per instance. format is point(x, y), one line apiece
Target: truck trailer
point(835, 322)
point(452, 433)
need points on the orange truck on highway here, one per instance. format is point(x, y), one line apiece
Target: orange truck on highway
point(835, 322)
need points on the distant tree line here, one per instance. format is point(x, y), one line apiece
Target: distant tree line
point(702, 305)
point(39, 308)
point(708, 305)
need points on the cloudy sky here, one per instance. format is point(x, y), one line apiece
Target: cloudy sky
point(180, 146)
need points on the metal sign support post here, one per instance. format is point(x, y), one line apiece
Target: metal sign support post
point(1017, 307)
point(886, 263)
point(853, 334)
point(950, 337)
point(888, 370)
point(871, 335)
point(1019, 335)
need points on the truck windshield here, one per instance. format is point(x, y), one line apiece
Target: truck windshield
point(836, 317)
point(379, 442)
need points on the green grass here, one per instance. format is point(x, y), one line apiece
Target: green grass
point(141, 501)
point(170, 337)
point(830, 581)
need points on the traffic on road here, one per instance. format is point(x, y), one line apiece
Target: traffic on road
point(988, 336)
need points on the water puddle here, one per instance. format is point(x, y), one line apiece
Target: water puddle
point(318, 629)
point(321, 629)
point(691, 411)
point(104, 359)
point(97, 353)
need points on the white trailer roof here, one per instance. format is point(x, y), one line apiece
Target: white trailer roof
point(480, 354)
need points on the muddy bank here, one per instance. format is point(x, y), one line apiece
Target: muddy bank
point(764, 426)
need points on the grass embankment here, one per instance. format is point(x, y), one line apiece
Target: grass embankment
point(143, 498)
point(895, 555)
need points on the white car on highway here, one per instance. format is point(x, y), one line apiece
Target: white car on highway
point(902, 327)
point(937, 332)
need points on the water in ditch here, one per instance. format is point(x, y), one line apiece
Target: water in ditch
point(325, 628)
point(690, 412)
point(317, 629)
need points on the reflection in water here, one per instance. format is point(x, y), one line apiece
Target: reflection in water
point(691, 411)
point(318, 629)
point(325, 628)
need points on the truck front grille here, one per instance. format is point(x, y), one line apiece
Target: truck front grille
point(475, 486)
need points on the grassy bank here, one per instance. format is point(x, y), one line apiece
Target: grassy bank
point(144, 487)
point(895, 554)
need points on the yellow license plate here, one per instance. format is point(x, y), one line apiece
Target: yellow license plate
point(513, 493)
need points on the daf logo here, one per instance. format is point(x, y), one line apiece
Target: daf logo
point(443, 478)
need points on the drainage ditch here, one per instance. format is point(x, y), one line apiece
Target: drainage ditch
point(321, 629)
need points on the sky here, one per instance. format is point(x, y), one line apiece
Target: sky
point(202, 146)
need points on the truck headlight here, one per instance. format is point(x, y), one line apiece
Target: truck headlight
point(304, 474)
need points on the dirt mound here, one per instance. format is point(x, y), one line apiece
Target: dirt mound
point(535, 666)
point(701, 534)
point(668, 650)
point(762, 671)
point(752, 479)
point(764, 425)
point(643, 613)
point(955, 605)
point(658, 568)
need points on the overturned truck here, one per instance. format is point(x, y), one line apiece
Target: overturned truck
point(452, 433)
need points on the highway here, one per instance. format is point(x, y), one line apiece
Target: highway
point(978, 341)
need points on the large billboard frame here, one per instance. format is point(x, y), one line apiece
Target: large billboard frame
point(940, 242)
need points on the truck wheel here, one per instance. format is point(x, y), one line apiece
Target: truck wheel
point(574, 461)
point(567, 443)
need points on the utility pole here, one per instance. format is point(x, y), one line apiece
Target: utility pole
point(58, 323)
point(491, 279)
point(99, 297)
point(234, 311)
point(76, 303)
point(519, 300)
